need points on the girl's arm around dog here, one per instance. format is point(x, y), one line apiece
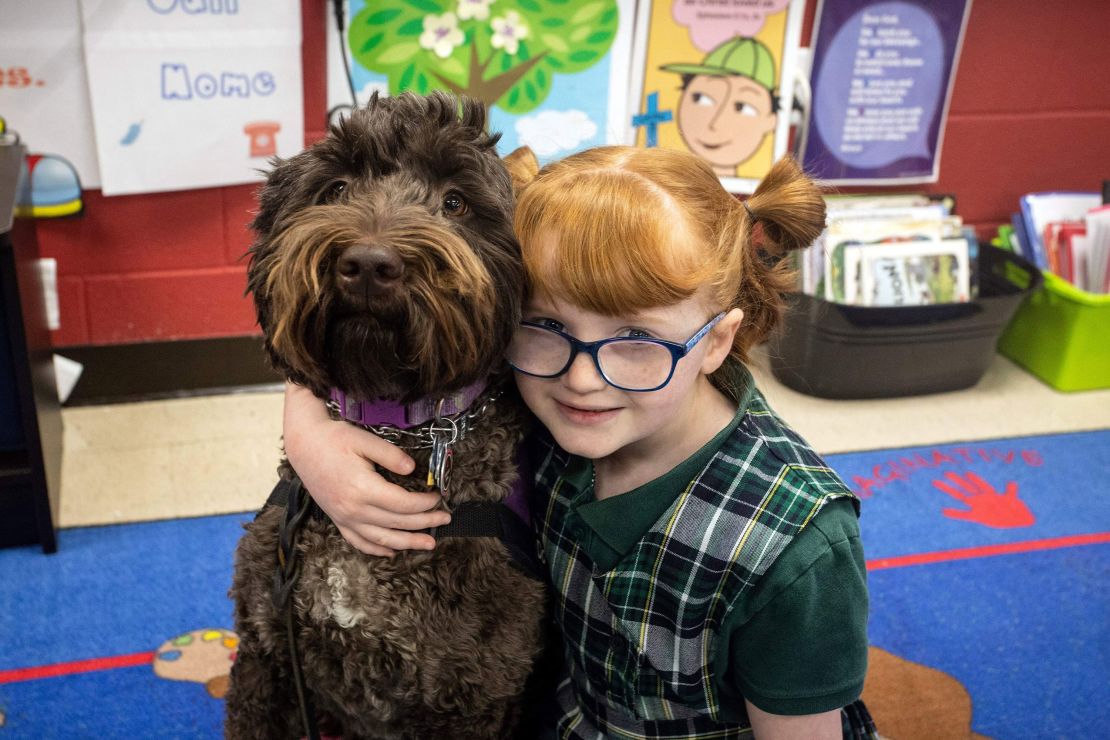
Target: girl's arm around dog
point(337, 462)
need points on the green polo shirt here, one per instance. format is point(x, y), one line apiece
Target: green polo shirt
point(797, 642)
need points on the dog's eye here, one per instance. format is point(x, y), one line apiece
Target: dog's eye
point(454, 205)
point(332, 192)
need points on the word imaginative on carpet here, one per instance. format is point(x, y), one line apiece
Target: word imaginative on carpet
point(988, 565)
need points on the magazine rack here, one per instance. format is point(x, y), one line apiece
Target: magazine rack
point(837, 351)
point(30, 417)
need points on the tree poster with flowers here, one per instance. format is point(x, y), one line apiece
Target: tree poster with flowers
point(554, 73)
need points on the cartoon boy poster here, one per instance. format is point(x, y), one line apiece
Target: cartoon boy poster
point(716, 78)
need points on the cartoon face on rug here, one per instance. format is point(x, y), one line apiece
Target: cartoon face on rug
point(385, 268)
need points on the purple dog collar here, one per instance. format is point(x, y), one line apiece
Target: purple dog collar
point(404, 416)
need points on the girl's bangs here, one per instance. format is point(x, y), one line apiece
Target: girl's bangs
point(607, 242)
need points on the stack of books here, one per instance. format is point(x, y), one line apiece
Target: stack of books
point(891, 250)
point(1067, 234)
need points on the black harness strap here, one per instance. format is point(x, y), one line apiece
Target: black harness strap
point(495, 519)
point(471, 519)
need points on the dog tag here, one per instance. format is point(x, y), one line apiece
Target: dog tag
point(444, 433)
point(439, 462)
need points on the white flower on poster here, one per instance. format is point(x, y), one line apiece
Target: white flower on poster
point(441, 34)
point(508, 31)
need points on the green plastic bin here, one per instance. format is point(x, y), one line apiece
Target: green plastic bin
point(1061, 334)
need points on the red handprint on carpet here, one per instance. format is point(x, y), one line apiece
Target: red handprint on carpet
point(986, 505)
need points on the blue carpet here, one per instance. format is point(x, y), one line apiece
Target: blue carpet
point(107, 592)
point(1017, 614)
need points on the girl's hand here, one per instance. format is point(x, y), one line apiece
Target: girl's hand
point(336, 462)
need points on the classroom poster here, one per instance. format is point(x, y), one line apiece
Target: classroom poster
point(44, 95)
point(882, 79)
point(190, 93)
point(554, 74)
point(717, 79)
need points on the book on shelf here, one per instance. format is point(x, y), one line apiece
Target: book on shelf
point(891, 250)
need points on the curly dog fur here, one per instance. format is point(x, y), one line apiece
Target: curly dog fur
point(426, 644)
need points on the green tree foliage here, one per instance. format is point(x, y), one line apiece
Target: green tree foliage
point(511, 67)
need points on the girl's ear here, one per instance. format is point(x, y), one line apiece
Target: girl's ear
point(720, 340)
point(523, 166)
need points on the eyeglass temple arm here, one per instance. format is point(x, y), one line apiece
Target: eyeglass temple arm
point(704, 330)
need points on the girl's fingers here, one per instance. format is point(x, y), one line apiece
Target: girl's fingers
point(363, 545)
point(381, 494)
point(384, 454)
point(395, 539)
point(373, 516)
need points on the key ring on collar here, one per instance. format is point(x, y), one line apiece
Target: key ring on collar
point(444, 425)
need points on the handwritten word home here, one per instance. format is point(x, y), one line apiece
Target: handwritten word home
point(179, 84)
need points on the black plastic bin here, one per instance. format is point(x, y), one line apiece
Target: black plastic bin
point(835, 351)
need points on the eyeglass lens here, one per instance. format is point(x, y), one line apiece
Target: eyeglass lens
point(629, 364)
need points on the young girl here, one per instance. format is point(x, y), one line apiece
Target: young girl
point(708, 574)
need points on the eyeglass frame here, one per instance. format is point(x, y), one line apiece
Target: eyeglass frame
point(577, 346)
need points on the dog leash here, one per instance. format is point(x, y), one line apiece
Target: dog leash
point(297, 507)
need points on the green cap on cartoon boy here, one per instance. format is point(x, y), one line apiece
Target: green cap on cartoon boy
point(728, 103)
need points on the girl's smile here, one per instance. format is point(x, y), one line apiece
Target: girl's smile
point(586, 416)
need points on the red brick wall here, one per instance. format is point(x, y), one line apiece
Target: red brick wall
point(1030, 111)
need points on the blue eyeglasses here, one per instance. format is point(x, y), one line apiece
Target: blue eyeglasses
point(639, 364)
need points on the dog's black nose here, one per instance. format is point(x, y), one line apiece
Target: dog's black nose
point(375, 269)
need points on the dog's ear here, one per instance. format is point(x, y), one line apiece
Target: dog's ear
point(523, 166)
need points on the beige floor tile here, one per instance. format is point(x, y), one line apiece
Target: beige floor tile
point(1007, 402)
point(162, 459)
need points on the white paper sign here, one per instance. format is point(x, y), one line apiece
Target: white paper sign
point(192, 93)
point(43, 93)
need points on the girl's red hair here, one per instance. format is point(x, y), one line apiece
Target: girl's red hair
point(616, 230)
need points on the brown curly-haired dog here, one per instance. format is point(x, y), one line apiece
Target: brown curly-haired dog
point(385, 266)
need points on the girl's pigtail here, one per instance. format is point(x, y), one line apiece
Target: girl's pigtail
point(786, 213)
point(523, 168)
point(789, 207)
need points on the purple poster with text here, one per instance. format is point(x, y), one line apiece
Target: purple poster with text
point(882, 79)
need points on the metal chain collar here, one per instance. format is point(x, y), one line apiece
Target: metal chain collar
point(425, 436)
point(439, 434)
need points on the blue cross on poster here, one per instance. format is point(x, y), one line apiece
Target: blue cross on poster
point(650, 119)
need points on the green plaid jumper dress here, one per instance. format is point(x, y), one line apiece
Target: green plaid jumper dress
point(640, 636)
